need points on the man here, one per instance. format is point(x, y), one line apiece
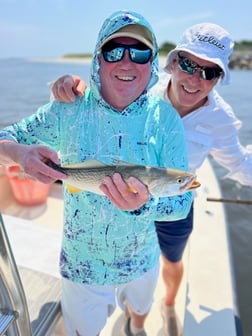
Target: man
point(199, 61)
point(109, 248)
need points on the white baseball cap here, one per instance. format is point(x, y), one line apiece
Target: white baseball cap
point(207, 41)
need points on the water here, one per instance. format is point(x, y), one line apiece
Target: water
point(24, 85)
point(24, 88)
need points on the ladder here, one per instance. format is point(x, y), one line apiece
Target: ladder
point(15, 317)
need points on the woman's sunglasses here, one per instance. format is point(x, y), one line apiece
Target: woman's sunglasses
point(114, 52)
point(190, 67)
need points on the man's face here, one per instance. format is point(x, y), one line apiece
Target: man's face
point(124, 81)
point(188, 92)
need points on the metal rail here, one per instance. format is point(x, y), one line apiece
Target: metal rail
point(12, 296)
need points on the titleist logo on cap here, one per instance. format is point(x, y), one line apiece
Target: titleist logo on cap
point(209, 39)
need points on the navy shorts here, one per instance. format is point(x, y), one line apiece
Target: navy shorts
point(173, 236)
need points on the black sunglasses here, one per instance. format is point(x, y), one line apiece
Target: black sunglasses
point(190, 67)
point(114, 52)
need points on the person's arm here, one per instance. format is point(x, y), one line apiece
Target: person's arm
point(65, 88)
point(32, 159)
point(236, 158)
point(26, 144)
point(227, 149)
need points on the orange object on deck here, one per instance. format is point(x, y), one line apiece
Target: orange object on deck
point(26, 190)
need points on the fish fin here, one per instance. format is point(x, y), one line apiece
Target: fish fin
point(91, 163)
point(132, 189)
point(72, 189)
point(86, 164)
point(116, 162)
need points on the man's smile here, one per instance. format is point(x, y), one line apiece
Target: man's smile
point(126, 78)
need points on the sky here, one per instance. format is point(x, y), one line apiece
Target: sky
point(53, 28)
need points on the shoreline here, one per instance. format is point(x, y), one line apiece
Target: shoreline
point(75, 60)
point(238, 61)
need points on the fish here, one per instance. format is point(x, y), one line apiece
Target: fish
point(161, 182)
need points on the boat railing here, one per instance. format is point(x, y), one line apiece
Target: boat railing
point(15, 318)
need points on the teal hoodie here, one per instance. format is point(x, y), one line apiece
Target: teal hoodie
point(101, 244)
point(111, 25)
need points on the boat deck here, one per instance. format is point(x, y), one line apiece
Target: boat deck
point(206, 301)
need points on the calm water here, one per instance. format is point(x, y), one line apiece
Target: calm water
point(23, 88)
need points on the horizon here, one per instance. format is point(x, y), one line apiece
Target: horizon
point(31, 28)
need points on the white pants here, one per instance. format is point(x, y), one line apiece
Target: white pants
point(86, 308)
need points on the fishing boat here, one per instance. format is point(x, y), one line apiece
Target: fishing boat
point(30, 282)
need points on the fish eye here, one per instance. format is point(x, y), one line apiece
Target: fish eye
point(180, 180)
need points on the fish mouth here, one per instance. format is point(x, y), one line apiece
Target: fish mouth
point(191, 184)
point(194, 185)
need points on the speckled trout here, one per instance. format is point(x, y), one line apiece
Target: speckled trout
point(161, 182)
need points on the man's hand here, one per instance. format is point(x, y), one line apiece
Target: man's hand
point(32, 159)
point(126, 196)
point(66, 87)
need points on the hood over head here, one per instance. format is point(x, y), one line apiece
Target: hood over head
point(125, 23)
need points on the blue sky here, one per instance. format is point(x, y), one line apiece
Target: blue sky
point(52, 28)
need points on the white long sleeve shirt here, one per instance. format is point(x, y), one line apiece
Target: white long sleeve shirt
point(213, 130)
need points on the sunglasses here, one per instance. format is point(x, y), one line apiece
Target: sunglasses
point(114, 52)
point(190, 67)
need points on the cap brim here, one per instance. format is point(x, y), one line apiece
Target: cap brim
point(138, 37)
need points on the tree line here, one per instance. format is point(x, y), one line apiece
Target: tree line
point(240, 46)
